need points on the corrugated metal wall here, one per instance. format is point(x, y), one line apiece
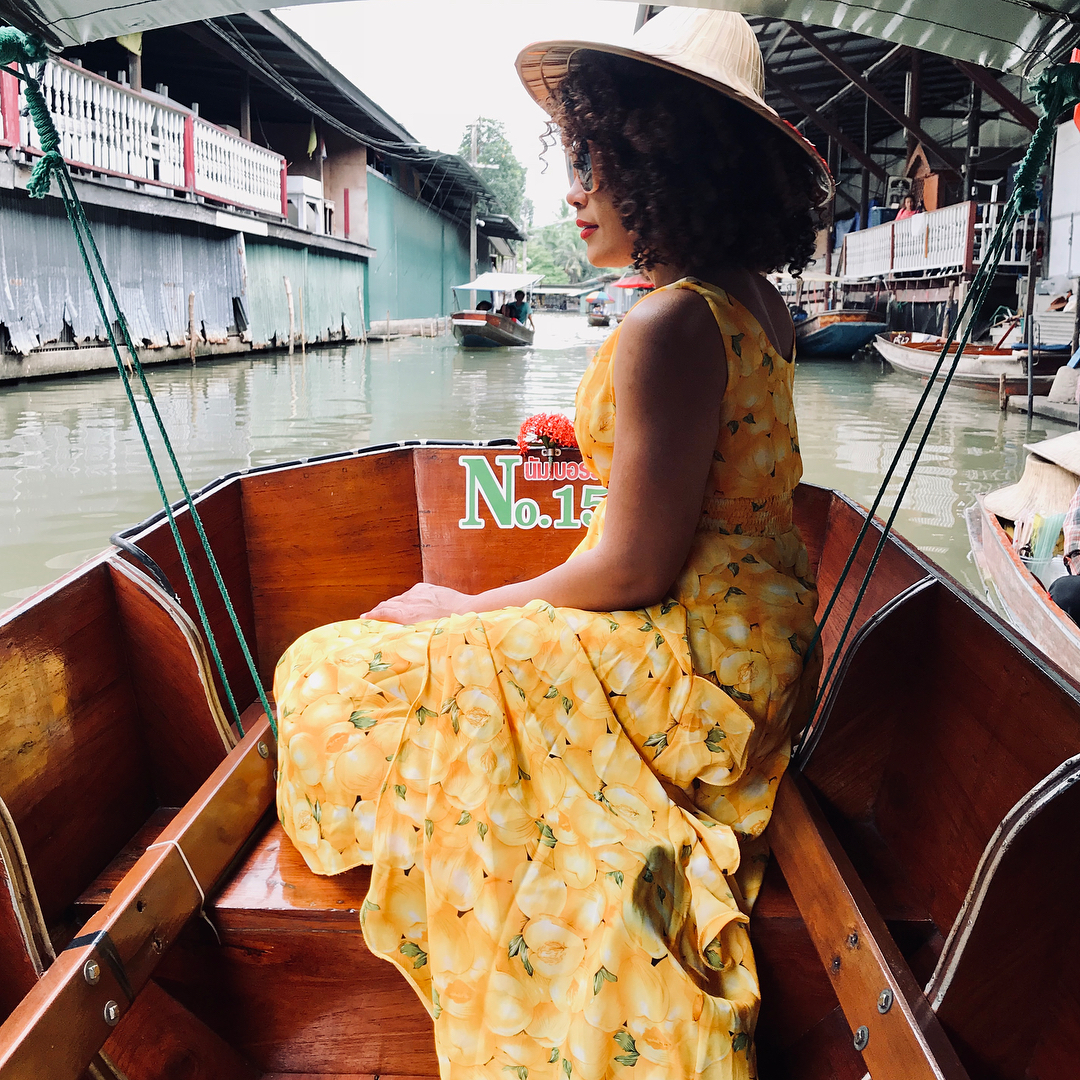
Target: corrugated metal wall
point(419, 256)
point(152, 265)
point(330, 283)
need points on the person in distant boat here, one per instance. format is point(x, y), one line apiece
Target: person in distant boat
point(561, 784)
point(1065, 591)
point(907, 208)
point(518, 309)
point(484, 305)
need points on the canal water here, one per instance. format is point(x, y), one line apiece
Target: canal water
point(73, 471)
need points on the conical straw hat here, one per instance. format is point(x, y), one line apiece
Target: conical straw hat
point(1063, 450)
point(1045, 488)
point(717, 48)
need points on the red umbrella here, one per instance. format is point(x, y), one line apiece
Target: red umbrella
point(633, 281)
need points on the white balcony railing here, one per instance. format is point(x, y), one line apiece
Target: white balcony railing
point(108, 128)
point(233, 170)
point(105, 127)
point(949, 240)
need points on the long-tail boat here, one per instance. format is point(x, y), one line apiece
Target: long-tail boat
point(917, 919)
point(836, 333)
point(982, 367)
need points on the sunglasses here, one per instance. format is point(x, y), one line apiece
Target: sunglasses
point(579, 164)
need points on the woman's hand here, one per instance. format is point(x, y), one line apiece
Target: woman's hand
point(419, 604)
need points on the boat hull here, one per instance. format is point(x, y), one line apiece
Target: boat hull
point(599, 320)
point(488, 329)
point(1022, 597)
point(981, 369)
point(835, 334)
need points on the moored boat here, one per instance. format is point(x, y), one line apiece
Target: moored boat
point(981, 366)
point(1019, 589)
point(836, 333)
point(172, 805)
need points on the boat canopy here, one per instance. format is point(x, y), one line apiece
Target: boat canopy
point(1020, 36)
point(495, 282)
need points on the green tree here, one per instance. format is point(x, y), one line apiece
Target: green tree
point(558, 252)
point(493, 148)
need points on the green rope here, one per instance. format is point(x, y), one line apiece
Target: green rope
point(16, 46)
point(1057, 89)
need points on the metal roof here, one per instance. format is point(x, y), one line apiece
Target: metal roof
point(796, 69)
point(1014, 35)
point(501, 225)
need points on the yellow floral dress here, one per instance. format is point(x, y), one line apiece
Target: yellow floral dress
point(561, 807)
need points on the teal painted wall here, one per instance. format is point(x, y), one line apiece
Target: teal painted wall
point(419, 256)
point(330, 284)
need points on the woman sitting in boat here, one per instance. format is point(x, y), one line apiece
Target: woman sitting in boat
point(1065, 590)
point(562, 797)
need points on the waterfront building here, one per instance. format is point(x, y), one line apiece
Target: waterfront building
point(893, 120)
point(243, 193)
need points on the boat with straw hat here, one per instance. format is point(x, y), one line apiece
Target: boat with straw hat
point(1050, 479)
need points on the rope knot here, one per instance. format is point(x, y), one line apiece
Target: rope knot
point(41, 175)
point(1057, 89)
point(19, 48)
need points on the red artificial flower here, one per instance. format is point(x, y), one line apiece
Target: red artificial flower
point(552, 429)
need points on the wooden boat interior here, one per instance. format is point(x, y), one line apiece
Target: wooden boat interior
point(924, 850)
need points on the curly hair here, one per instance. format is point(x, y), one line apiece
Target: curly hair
point(698, 178)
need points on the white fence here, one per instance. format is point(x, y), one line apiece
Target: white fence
point(109, 128)
point(947, 240)
point(233, 170)
point(106, 127)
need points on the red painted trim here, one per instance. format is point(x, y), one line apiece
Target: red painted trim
point(9, 108)
point(227, 202)
point(284, 189)
point(189, 152)
point(345, 211)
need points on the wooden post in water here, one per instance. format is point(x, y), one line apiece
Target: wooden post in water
point(1029, 326)
point(303, 340)
point(191, 325)
point(388, 323)
point(288, 296)
point(363, 318)
point(1003, 396)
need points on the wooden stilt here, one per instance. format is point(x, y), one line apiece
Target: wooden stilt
point(292, 322)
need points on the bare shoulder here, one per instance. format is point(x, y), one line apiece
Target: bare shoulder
point(672, 311)
point(675, 322)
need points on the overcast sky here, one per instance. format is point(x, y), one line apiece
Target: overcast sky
point(435, 65)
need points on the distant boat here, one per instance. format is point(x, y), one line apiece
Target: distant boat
point(980, 368)
point(484, 329)
point(478, 329)
point(1051, 476)
point(599, 319)
point(836, 333)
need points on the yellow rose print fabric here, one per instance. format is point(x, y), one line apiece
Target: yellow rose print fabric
point(562, 808)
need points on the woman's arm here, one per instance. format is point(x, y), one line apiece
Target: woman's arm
point(669, 375)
